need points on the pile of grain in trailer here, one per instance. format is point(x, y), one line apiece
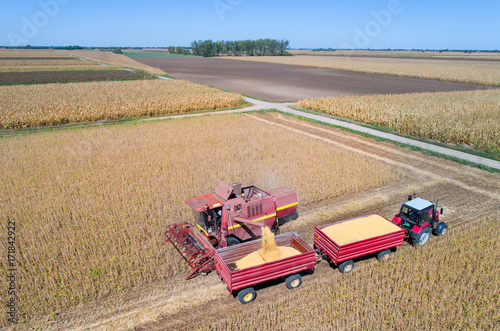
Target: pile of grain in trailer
point(268, 253)
point(359, 229)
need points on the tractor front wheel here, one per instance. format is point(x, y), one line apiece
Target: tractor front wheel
point(247, 295)
point(440, 229)
point(422, 237)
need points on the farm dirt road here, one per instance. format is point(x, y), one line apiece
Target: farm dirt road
point(466, 193)
point(280, 82)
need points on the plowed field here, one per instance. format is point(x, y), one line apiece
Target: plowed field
point(279, 82)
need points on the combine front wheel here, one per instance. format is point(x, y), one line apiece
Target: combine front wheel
point(231, 241)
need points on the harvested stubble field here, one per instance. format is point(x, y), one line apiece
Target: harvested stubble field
point(114, 59)
point(465, 118)
point(65, 76)
point(53, 104)
point(474, 72)
point(29, 60)
point(91, 205)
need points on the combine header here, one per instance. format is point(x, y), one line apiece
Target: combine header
point(226, 217)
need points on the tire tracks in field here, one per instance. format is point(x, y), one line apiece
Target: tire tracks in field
point(409, 167)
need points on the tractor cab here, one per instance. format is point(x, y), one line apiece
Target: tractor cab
point(417, 212)
point(419, 218)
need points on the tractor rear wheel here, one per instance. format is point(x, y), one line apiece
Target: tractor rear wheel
point(440, 229)
point(422, 237)
point(384, 255)
point(247, 295)
point(293, 281)
point(346, 266)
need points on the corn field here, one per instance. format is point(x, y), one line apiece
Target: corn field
point(474, 72)
point(52, 104)
point(450, 284)
point(465, 118)
point(91, 205)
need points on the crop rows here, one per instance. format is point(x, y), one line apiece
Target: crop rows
point(44, 77)
point(48, 65)
point(52, 104)
point(92, 205)
point(466, 118)
point(450, 284)
point(403, 54)
point(30, 53)
point(475, 72)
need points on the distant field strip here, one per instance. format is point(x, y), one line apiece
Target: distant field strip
point(114, 59)
point(52, 104)
point(475, 72)
point(65, 76)
point(465, 118)
point(48, 65)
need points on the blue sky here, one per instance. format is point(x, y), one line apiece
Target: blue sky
point(372, 24)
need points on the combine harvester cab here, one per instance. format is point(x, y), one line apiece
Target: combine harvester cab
point(230, 215)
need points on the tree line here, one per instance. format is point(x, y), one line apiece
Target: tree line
point(261, 47)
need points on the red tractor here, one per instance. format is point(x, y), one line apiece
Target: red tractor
point(226, 217)
point(419, 218)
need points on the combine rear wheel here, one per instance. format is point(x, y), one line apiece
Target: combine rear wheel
point(247, 295)
point(293, 281)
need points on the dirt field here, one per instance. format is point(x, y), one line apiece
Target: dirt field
point(276, 82)
point(467, 195)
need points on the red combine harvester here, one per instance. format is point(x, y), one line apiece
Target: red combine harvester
point(230, 215)
point(419, 218)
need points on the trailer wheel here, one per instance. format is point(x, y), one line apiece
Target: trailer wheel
point(231, 241)
point(293, 281)
point(440, 229)
point(422, 238)
point(346, 266)
point(384, 255)
point(247, 295)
